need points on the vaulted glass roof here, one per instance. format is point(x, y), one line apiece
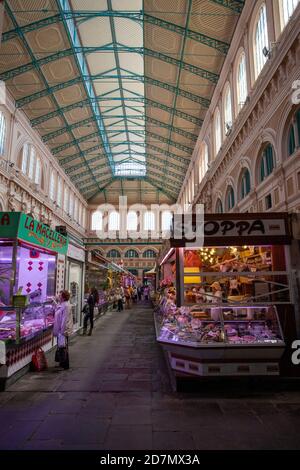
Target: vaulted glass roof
point(117, 89)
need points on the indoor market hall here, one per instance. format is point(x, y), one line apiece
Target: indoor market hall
point(149, 231)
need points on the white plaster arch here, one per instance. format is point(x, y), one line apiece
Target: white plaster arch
point(268, 136)
point(234, 90)
point(284, 122)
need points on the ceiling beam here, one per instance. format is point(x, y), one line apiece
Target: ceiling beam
point(73, 35)
point(99, 98)
point(65, 160)
point(68, 128)
point(158, 186)
point(170, 155)
point(234, 5)
point(156, 159)
point(163, 173)
point(82, 51)
point(177, 145)
point(74, 142)
point(177, 130)
point(201, 38)
point(35, 65)
point(188, 15)
point(200, 72)
point(103, 189)
point(143, 79)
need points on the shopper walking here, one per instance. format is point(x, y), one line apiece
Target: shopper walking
point(139, 293)
point(92, 301)
point(120, 300)
point(146, 293)
point(127, 298)
point(63, 329)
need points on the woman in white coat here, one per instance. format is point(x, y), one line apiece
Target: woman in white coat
point(63, 328)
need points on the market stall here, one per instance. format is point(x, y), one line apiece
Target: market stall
point(230, 311)
point(74, 278)
point(98, 275)
point(28, 262)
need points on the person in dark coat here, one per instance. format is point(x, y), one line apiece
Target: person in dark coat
point(92, 301)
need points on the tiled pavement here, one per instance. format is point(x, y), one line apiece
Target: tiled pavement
point(117, 396)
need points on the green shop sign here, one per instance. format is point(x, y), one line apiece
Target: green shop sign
point(24, 227)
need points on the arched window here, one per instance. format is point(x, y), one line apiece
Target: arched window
point(71, 204)
point(230, 201)
point(132, 221)
point(25, 156)
point(149, 254)
point(66, 199)
point(166, 220)
point(80, 214)
point(76, 209)
point(149, 220)
point(97, 220)
point(37, 177)
point(31, 165)
point(227, 110)
point(114, 221)
point(2, 133)
point(241, 82)
point(219, 206)
point(218, 132)
point(52, 186)
point(294, 133)
point(59, 191)
point(113, 254)
point(131, 254)
point(261, 40)
point(266, 162)
point(291, 141)
point(203, 162)
point(287, 8)
point(29, 162)
point(245, 183)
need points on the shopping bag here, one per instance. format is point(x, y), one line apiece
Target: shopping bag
point(61, 340)
point(39, 361)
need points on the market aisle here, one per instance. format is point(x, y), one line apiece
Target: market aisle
point(117, 396)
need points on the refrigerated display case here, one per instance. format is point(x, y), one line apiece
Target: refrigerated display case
point(28, 261)
point(230, 310)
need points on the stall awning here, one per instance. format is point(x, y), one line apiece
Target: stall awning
point(151, 271)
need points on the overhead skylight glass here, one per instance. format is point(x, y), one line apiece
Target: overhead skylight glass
point(130, 169)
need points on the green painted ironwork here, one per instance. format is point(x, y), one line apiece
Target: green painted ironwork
point(201, 38)
point(69, 171)
point(116, 56)
point(56, 150)
point(68, 128)
point(147, 80)
point(206, 74)
point(66, 160)
point(177, 130)
point(157, 185)
point(161, 170)
point(73, 36)
point(190, 2)
point(177, 183)
point(80, 104)
point(234, 5)
point(177, 145)
point(34, 62)
point(154, 160)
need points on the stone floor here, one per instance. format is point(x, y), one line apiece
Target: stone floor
point(117, 396)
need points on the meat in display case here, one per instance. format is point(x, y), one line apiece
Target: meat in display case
point(238, 341)
point(34, 318)
point(225, 307)
point(248, 326)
